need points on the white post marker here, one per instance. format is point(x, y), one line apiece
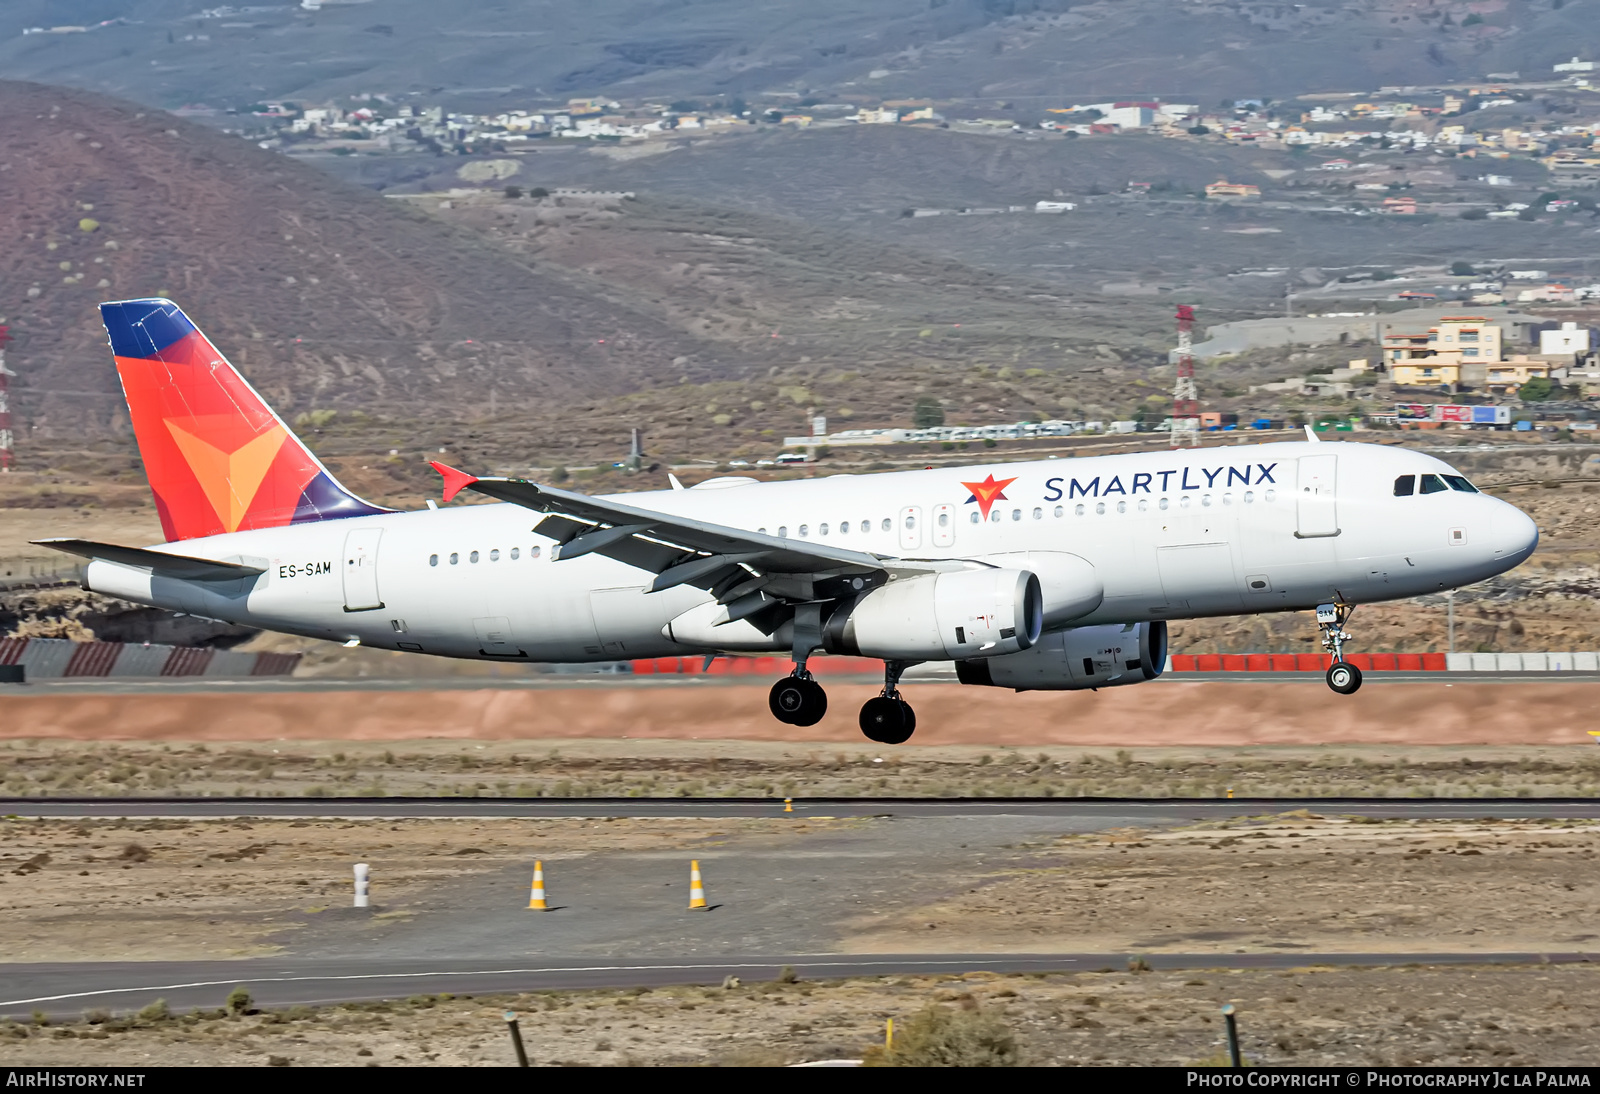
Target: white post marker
point(362, 870)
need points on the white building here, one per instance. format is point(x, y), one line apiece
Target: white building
point(1576, 65)
point(1570, 339)
point(1131, 117)
point(1054, 206)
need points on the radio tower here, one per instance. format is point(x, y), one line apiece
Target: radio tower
point(1185, 399)
point(5, 402)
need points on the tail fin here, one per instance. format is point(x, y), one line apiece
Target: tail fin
point(217, 457)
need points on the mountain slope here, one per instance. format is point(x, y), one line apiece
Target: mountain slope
point(167, 53)
point(325, 294)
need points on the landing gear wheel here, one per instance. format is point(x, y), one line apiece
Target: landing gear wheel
point(1344, 677)
point(798, 701)
point(889, 721)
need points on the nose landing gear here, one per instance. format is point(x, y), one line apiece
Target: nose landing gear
point(1342, 676)
point(887, 718)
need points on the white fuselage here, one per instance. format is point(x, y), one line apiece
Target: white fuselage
point(1171, 535)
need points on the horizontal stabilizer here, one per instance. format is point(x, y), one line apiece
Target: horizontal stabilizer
point(179, 566)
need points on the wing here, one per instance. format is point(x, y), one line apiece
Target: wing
point(750, 573)
point(179, 566)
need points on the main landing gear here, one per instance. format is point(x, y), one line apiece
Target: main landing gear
point(887, 718)
point(798, 700)
point(1342, 677)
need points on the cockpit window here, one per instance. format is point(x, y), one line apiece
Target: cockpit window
point(1457, 482)
point(1432, 484)
point(1405, 486)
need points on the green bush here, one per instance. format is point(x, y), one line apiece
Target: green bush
point(971, 1036)
point(155, 1012)
point(238, 1000)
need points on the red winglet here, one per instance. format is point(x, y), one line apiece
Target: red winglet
point(454, 481)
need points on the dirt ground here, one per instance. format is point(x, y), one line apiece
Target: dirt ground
point(665, 768)
point(1168, 712)
point(1484, 1015)
point(175, 890)
point(1287, 883)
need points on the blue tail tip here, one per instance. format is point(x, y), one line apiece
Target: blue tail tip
point(143, 328)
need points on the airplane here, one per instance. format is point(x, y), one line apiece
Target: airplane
point(1053, 575)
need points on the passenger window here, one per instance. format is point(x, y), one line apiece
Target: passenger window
point(783, 531)
point(1122, 507)
point(533, 552)
point(944, 520)
point(1432, 484)
point(516, 553)
point(1458, 483)
point(805, 530)
point(1162, 504)
point(494, 555)
point(454, 558)
point(1077, 510)
point(844, 528)
point(866, 526)
point(1038, 514)
point(1100, 508)
point(1016, 514)
point(911, 521)
point(433, 560)
point(473, 557)
point(1405, 486)
point(976, 517)
point(994, 516)
point(822, 530)
point(888, 525)
point(1059, 510)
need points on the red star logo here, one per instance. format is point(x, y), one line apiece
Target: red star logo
point(987, 492)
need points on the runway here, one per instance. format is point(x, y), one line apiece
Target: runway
point(1123, 810)
point(68, 989)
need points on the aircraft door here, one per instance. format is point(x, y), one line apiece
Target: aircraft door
point(911, 528)
point(944, 525)
point(361, 570)
point(1316, 506)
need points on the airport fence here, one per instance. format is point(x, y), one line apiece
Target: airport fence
point(1386, 662)
point(56, 658)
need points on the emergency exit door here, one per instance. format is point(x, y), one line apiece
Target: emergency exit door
point(361, 570)
point(1316, 503)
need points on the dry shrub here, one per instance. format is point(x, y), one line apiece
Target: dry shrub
point(968, 1036)
point(135, 852)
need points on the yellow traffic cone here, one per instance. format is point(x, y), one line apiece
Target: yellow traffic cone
point(536, 900)
point(788, 805)
point(697, 887)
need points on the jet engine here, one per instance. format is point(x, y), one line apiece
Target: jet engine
point(942, 616)
point(1072, 660)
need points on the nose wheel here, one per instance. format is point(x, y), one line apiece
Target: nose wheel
point(887, 718)
point(798, 701)
point(1342, 676)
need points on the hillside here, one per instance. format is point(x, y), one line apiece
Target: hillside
point(326, 295)
point(481, 52)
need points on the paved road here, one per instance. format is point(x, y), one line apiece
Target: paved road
point(69, 989)
point(280, 684)
point(1122, 810)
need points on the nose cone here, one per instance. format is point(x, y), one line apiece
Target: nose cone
point(1513, 536)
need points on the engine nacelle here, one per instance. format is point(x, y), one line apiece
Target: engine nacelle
point(943, 617)
point(1071, 586)
point(1086, 657)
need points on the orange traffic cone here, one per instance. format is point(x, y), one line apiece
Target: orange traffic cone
point(536, 900)
point(697, 887)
